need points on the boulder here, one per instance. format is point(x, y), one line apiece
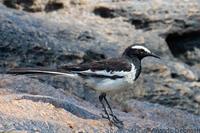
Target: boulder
point(31, 106)
point(38, 33)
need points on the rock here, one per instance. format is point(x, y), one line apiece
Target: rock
point(197, 98)
point(37, 5)
point(161, 114)
point(180, 70)
point(69, 32)
point(42, 117)
point(184, 44)
point(38, 113)
point(51, 47)
point(21, 84)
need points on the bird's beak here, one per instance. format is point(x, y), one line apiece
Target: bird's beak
point(153, 55)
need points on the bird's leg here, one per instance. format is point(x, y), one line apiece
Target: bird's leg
point(101, 97)
point(115, 119)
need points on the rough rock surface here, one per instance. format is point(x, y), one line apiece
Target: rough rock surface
point(35, 107)
point(54, 32)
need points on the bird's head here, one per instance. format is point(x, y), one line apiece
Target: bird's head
point(138, 51)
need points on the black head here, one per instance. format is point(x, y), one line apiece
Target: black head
point(138, 51)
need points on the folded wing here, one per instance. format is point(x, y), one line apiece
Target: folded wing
point(110, 68)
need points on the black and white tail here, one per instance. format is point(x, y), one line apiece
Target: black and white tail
point(40, 71)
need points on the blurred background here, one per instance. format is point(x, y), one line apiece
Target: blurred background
point(49, 33)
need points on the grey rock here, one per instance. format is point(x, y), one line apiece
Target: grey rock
point(68, 32)
point(39, 113)
point(24, 85)
point(197, 98)
point(161, 114)
point(36, 5)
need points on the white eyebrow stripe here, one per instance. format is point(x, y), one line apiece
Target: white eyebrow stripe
point(141, 47)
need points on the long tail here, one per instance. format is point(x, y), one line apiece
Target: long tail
point(40, 71)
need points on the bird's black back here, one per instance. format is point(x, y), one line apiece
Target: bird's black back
point(110, 65)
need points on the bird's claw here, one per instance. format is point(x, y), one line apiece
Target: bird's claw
point(105, 116)
point(115, 119)
point(119, 125)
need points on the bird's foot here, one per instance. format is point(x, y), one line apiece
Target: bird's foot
point(105, 116)
point(118, 123)
point(115, 119)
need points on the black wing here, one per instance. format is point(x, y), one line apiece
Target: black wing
point(110, 68)
point(110, 65)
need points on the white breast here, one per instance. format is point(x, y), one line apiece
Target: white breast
point(130, 76)
point(107, 84)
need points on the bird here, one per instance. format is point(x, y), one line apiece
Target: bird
point(103, 76)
